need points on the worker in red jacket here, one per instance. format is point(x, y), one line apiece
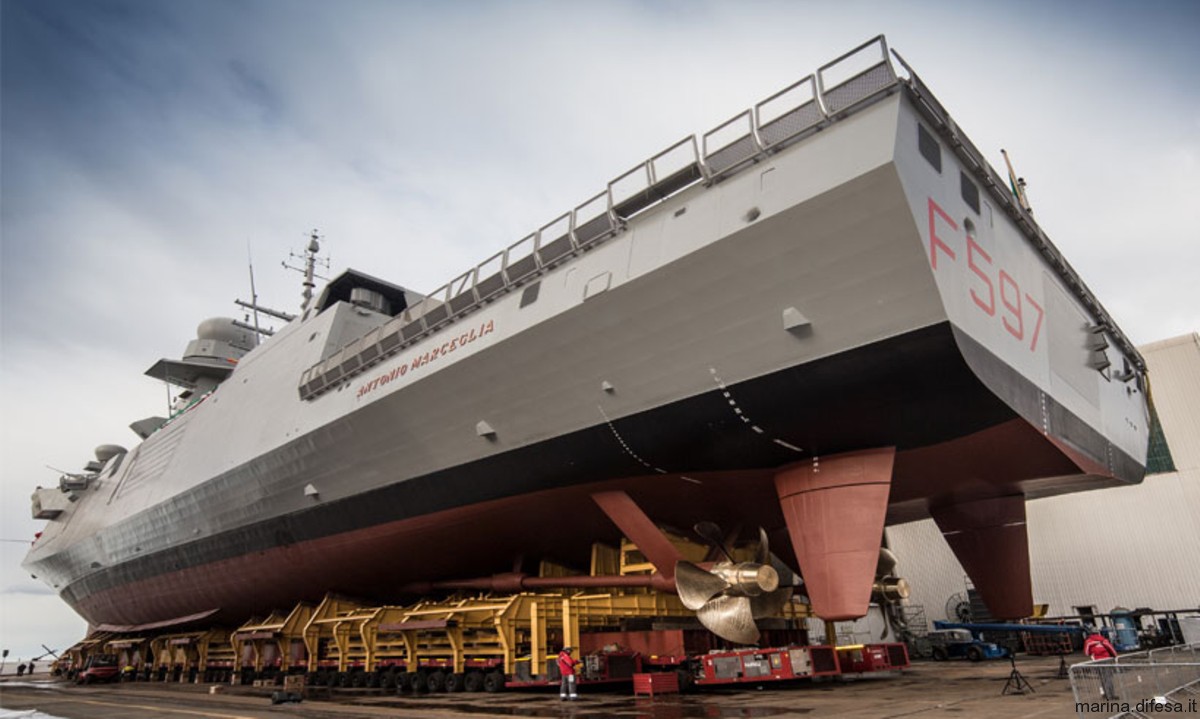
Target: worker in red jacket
point(1098, 648)
point(566, 667)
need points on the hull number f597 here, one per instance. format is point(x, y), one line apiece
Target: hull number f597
point(992, 285)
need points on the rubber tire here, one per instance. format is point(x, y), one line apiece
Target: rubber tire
point(387, 680)
point(420, 682)
point(975, 654)
point(493, 681)
point(454, 682)
point(436, 681)
point(686, 679)
point(403, 682)
point(473, 681)
point(940, 654)
point(358, 680)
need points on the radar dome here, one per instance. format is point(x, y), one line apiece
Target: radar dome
point(222, 329)
point(106, 452)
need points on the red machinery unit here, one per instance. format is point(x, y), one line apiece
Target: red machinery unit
point(764, 665)
point(788, 663)
point(865, 658)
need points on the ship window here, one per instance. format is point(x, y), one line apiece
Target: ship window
point(530, 295)
point(929, 147)
point(970, 192)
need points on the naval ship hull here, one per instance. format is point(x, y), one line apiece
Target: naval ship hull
point(838, 295)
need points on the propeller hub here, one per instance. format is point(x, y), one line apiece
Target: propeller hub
point(891, 589)
point(748, 578)
point(729, 596)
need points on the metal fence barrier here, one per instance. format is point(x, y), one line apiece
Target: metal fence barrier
point(1138, 684)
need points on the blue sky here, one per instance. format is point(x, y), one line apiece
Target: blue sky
point(146, 147)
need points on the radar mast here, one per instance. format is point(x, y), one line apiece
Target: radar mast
point(309, 269)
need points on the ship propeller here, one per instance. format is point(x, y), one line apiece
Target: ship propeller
point(888, 591)
point(730, 596)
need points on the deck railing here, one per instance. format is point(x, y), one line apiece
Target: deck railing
point(748, 137)
point(838, 89)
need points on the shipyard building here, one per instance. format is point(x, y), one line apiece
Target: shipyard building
point(1093, 552)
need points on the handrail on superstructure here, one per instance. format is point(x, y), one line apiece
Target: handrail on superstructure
point(792, 123)
point(659, 179)
point(881, 74)
point(554, 244)
point(585, 226)
point(731, 153)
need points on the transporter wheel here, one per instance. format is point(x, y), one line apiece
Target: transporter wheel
point(454, 682)
point(403, 682)
point(975, 654)
point(358, 680)
point(686, 679)
point(387, 680)
point(940, 654)
point(493, 681)
point(420, 682)
point(436, 681)
point(473, 681)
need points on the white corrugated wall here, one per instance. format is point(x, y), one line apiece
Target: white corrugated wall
point(1125, 547)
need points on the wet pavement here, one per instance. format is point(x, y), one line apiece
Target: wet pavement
point(957, 689)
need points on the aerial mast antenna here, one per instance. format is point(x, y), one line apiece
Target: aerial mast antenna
point(255, 308)
point(253, 295)
point(309, 269)
point(1017, 183)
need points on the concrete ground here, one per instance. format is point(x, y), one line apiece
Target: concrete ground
point(950, 689)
